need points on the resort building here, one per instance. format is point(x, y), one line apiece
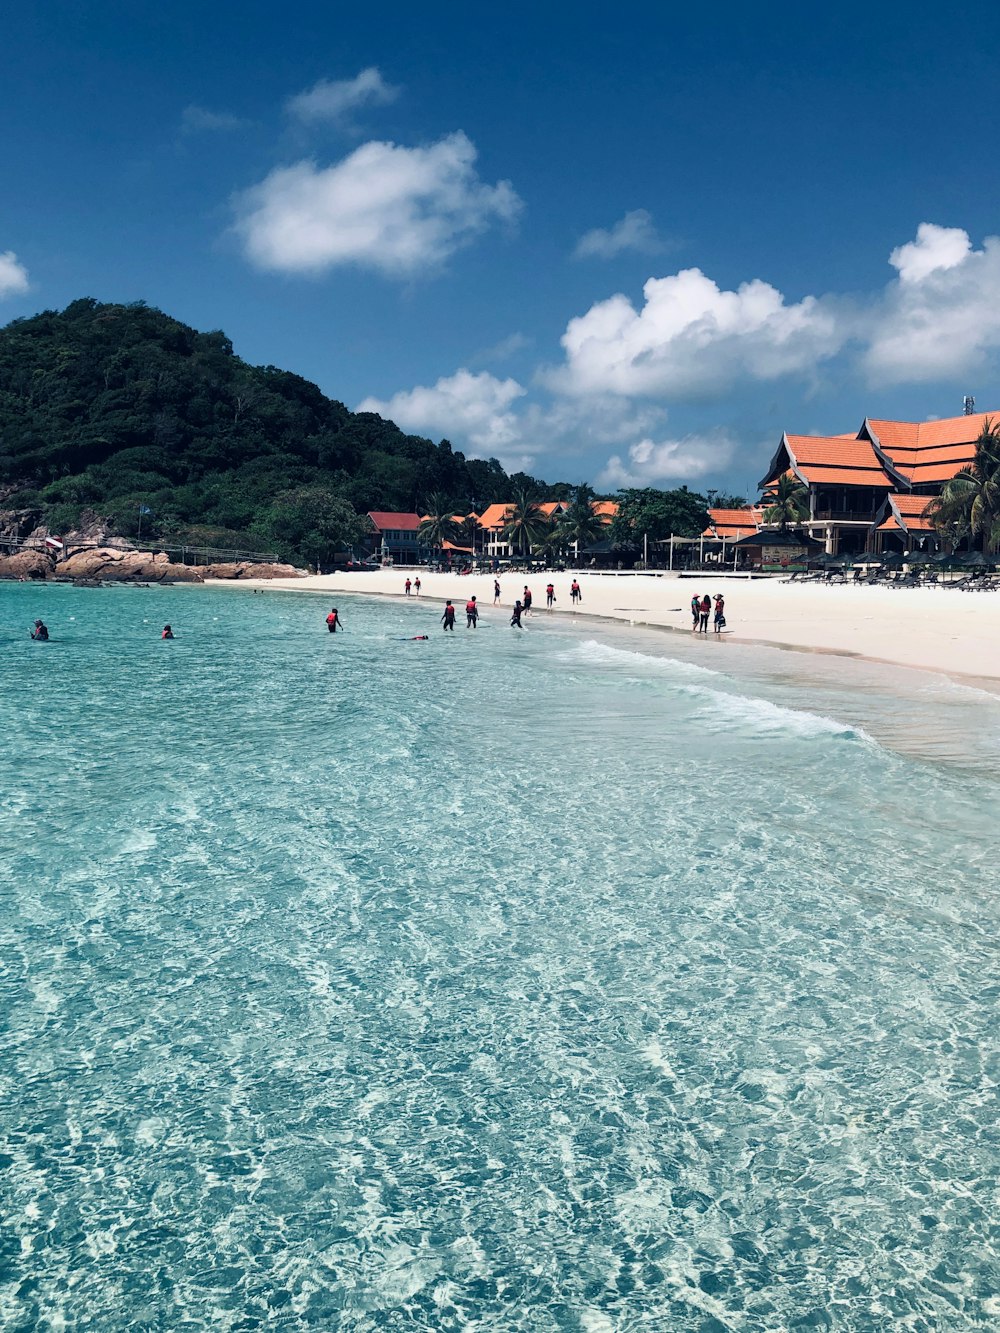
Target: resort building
point(395, 535)
point(873, 487)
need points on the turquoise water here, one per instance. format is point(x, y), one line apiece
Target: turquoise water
point(580, 979)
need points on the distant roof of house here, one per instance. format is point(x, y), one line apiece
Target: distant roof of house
point(908, 513)
point(927, 452)
point(385, 518)
point(733, 522)
point(494, 516)
point(605, 508)
point(834, 460)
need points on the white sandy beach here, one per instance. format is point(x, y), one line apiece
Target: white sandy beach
point(932, 628)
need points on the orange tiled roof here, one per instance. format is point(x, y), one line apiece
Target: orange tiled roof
point(733, 522)
point(494, 516)
point(387, 519)
point(605, 508)
point(834, 460)
point(908, 513)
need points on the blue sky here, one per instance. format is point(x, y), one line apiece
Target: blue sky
point(623, 244)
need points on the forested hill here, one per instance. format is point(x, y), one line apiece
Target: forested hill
point(106, 409)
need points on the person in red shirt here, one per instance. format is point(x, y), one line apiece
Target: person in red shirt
point(448, 619)
point(334, 622)
point(416, 585)
point(471, 613)
point(407, 585)
point(575, 593)
point(706, 607)
point(550, 595)
point(526, 600)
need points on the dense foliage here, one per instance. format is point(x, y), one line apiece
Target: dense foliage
point(118, 409)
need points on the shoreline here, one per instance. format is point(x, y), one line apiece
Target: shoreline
point(953, 633)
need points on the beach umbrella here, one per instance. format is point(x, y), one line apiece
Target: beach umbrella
point(867, 558)
point(974, 560)
point(823, 559)
point(918, 558)
point(891, 560)
point(949, 562)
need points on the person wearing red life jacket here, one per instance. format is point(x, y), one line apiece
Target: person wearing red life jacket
point(471, 613)
point(526, 599)
point(550, 595)
point(334, 622)
point(448, 619)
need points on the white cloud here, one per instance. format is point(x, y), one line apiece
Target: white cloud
point(504, 349)
point(196, 119)
point(333, 99)
point(397, 210)
point(472, 407)
point(935, 249)
point(652, 464)
point(940, 319)
point(693, 339)
point(13, 275)
point(635, 231)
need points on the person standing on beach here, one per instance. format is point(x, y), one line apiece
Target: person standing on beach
point(575, 592)
point(334, 622)
point(526, 599)
point(448, 619)
point(719, 621)
point(496, 592)
point(471, 613)
point(416, 585)
point(550, 595)
point(695, 612)
point(516, 615)
point(705, 609)
point(407, 586)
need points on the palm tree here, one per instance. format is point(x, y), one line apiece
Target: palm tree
point(970, 500)
point(438, 525)
point(525, 524)
point(789, 503)
point(579, 525)
point(467, 531)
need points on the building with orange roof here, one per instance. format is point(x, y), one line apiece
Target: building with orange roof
point(877, 483)
point(732, 524)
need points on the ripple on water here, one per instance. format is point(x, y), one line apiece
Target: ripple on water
point(511, 982)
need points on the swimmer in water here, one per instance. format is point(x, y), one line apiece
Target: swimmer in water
point(167, 632)
point(40, 632)
point(334, 622)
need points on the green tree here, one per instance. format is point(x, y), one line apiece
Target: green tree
point(970, 500)
point(579, 526)
point(526, 521)
point(647, 512)
point(438, 524)
point(788, 503)
point(312, 521)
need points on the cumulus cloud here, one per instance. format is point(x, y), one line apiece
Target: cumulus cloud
point(198, 119)
point(13, 275)
point(472, 407)
point(692, 339)
point(332, 100)
point(635, 231)
point(940, 319)
point(394, 209)
point(651, 464)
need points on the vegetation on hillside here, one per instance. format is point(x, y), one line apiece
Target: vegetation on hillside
point(124, 416)
point(116, 409)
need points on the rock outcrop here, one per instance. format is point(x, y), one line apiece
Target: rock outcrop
point(107, 564)
point(26, 565)
point(246, 570)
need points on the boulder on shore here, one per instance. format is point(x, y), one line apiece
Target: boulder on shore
point(244, 569)
point(25, 565)
point(126, 567)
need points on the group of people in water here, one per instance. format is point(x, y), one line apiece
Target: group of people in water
point(701, 609)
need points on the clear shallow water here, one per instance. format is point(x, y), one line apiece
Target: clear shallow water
point(571, 980)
